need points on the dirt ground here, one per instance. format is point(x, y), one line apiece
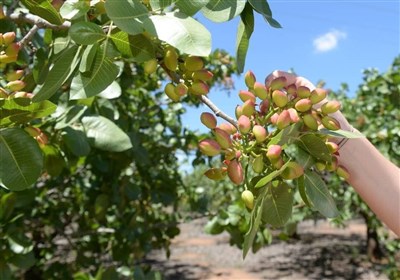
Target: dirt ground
point(322, 252)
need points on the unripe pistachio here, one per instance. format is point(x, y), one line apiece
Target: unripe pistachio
point(223, 138)
point(245, 95)
point(317, 95)
point(248, 199)
point(13, 49)
point(310, 121)
point(330, 123)
point(277, 163)
point(181, 89)
point(320, 166)
point(333, 165)
point(150, 66)
point(15, 85)
point(8, 38)
point(330, 107)
point(244, 124)
point(260, 133)
point(199, 88)
point(3, 93)
point(209, 147)
point(249, 79)
point(291, 90)
point(235, 172)
point(203, 75)
point(280, 98)
point(171, 59)
point(194, 63)
point(260, 91)
point(33, 131)
point(332, 147)
point(4, 58)
point(293, 170)
point(208, 119)
point(42, 139)
point(215, 174)
point(303, 92)
point(238, 111)
point(283, 119)
point(258, 164)
point(303, 105)
point(278, 83)
point(294, 116)
point(274, 118)
point(343, 172)
point(248, 108)
point(14, 75)
point(228, 127)
point(2, 15)
point(21, 94)
point(264, 106)
point(170, 92)
point(274, 152)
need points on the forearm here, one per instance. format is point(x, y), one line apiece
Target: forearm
point(375, 179)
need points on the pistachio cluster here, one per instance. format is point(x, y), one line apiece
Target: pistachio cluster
point(12, 84)
point(265, 112)
point(191, 76)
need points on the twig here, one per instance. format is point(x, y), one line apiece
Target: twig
point(217, 111)
point(38, 21)
point(29, 35)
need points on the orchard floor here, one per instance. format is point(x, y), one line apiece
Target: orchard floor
point(322, 252)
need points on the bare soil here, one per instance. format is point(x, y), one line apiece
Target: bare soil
point(321, 252)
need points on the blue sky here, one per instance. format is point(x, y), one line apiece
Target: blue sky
point(329, 40)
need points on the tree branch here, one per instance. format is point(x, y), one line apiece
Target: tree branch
point(35, 20)
point(29, 35)
point(217, 111)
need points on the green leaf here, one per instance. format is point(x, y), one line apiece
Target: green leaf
point(105, 135)
point(76, 141)
point(43, 9)
point(315, 146)
point(272, 175)
point(318, 195)
point(286, 136)
point(24, 261)
point(300, 156)
point(138, 46)
point(74, 9)
point(278, 204)
point(112, 91)
point(86, 33)
point(88, 57)
point(59, 73)
point(160, 4)
point(245, 29)
point(5, 271)
point(223, 10)
point(255, 220)
point(341, 133)
point(53, 160)
point(183, 32)
point(89, 84)
point(262, 7)
point(302, 190)
point(21, 159)
point(70, 116)
point(21, 110)
point(190, 8)
point(130, 16)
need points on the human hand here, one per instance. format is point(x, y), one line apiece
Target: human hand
point(301, 81)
